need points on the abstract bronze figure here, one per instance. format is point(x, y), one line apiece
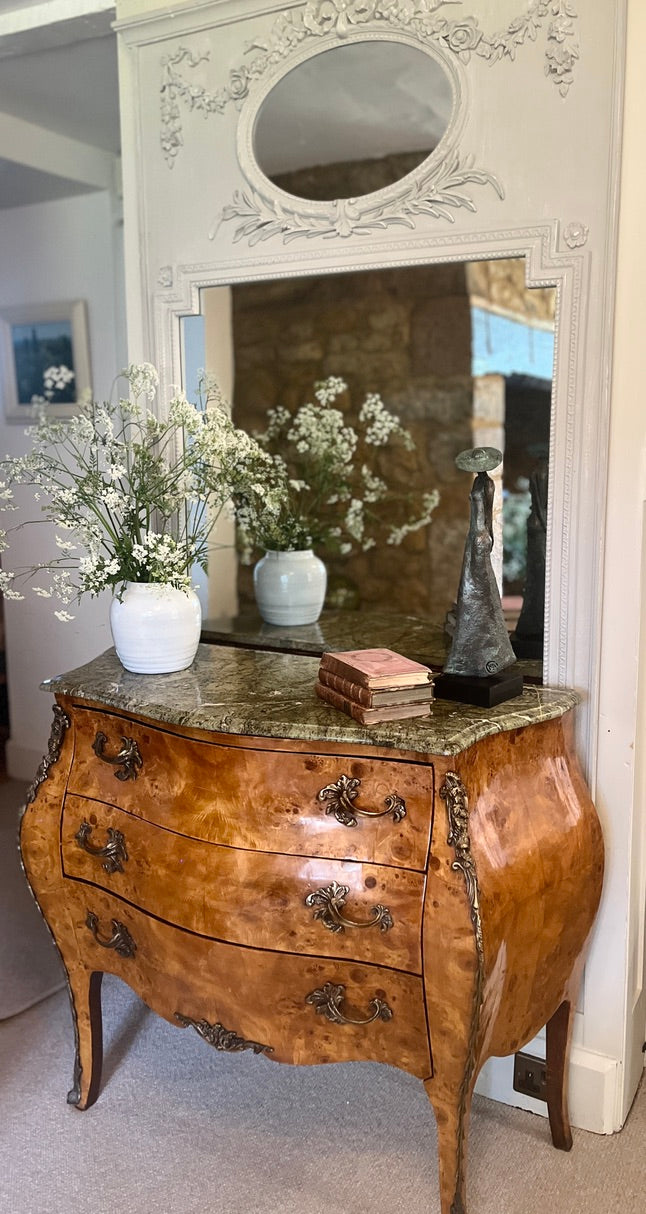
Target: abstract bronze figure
point(481, 649)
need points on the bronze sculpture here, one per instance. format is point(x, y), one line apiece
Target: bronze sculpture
point(481, 650)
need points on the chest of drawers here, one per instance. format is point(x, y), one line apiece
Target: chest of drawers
point(272, 875)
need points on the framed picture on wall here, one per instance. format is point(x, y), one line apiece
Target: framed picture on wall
point(45, 358)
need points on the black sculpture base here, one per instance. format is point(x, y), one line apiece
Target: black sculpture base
point(529, 645)
point(484, 692)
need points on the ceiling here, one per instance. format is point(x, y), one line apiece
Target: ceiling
point(63, 78)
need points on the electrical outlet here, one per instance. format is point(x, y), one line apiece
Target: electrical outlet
point(530, 1076)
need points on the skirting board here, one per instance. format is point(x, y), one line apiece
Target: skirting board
point(22, 762)
point(594, 1094)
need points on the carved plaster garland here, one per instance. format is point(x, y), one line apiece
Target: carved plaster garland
point(436, 193)
point(461, 36)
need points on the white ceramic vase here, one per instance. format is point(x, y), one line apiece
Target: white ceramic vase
point(155, 628)
point(290, 587)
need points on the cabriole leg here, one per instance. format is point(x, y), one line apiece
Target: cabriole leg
point(558, 1034)
point(452, 1114)
point(85, 996)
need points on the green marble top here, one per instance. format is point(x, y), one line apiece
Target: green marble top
point(418, 638)
point(271, 695)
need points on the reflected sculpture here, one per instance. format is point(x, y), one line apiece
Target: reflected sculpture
point(528, 637)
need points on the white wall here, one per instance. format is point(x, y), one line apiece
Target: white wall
point(621, 755)
point(69, 249)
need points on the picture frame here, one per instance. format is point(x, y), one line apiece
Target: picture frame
point(33, 338)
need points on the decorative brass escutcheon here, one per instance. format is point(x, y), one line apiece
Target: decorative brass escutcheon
point(221, 1038)
point(328, 999)
point(341, 796)
point(120, 940)
point(114, 852)
point(128, 758)
point(330, 900)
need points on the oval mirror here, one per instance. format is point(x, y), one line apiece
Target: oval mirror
point(372, 111)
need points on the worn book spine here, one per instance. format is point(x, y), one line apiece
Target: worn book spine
point(369, 716)
point(375, 680)
point(379, 698)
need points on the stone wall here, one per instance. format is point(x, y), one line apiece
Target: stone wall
point(501, 284)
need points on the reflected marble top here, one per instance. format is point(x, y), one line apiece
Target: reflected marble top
point(336, 630)
point(271, 695)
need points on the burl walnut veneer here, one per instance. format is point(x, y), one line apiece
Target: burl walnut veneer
point(281, 879)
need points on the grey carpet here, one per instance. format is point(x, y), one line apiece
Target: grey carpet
point(181, 1129)
point(30, 968)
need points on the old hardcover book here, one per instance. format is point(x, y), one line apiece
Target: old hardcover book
point(422, 693)
point(376, 668)
point(370, 716)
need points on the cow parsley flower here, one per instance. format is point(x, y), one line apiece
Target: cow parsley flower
point(134, 494)
point(335, 498)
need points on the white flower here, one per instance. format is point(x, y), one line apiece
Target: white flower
point(143, 379)
point(6, 579)
point(375, 487)
point(182, 413)
point(112, 498)
point(354, 520)
point(381, 424)
point(41, 592)
point(63, 616)
point(328, 389)
point(64, 545)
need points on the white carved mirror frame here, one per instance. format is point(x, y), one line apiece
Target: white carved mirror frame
point(257, 231)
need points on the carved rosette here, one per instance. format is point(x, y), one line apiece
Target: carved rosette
point(454, 794)
point(60, 724)
point(221, 1038)
point(576, 234)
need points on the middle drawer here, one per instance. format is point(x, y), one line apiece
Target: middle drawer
point(297, 904)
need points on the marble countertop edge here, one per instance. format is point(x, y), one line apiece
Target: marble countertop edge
point(267, 695)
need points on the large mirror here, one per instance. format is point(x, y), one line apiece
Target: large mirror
point(462, 353)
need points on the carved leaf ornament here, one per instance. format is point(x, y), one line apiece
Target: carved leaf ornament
point(436, 191)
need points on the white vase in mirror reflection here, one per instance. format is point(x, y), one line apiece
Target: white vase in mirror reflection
point(290, 587)
point(155, 628)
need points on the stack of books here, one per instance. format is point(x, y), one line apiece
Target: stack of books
point(374, 685)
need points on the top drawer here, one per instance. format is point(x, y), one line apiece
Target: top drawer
point(263, 799)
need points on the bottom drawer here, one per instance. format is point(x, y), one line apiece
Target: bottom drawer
point(291, 1004)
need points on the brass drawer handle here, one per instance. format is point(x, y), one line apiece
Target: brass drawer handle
point(340, 798)
point(221, 1038)
point(128, 758)
point(120, 940)
point(328, 999)
point(114, 852)
point(328, 902)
